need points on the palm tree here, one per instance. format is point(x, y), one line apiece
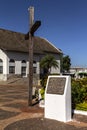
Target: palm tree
point(47, 62)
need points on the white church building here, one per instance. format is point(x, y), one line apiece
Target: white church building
point(14, 55)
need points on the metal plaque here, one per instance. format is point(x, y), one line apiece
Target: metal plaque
point(56, 85)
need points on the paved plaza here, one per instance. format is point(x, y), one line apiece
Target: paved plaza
point(16, 115)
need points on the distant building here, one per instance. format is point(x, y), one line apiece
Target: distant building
point(14, 56)
point(78, 72)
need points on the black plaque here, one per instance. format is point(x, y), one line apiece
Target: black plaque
point(56, 85)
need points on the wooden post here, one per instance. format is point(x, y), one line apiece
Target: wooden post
point(30, 35)
point(31, 11)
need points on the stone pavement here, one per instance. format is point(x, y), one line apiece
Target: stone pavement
point(16, 115)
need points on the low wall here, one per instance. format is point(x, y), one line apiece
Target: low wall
point(3, 77)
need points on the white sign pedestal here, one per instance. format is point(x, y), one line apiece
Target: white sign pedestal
point(58, 98)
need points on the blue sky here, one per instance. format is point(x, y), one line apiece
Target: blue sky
point(63, 22)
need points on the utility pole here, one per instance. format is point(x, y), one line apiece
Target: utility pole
point(30, 36)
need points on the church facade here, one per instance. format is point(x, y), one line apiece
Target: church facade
point(14, 55)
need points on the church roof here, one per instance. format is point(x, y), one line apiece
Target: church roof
point(15, 41)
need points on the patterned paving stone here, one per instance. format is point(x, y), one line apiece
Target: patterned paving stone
point(16, 96)
point(5, 100)
point(14, 115)
point(41, 124)
point(6, 114)
point(15, 105)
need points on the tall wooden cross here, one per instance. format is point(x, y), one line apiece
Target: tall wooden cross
point(30, 35)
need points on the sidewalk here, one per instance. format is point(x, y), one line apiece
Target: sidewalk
point(16, 115)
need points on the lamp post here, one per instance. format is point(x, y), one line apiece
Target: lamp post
point(30, 35)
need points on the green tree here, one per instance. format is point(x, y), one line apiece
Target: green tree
point(66, 63)
point(47, 62)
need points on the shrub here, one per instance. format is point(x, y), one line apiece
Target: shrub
point(79, 91)
point(44, 81)
point(81, 106)
point(42, 92)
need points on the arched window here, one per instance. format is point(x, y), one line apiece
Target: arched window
point(1, 61)
point(1, 66)
point(11, 61)
point(12, 66)
point(23, 68)
point(23, 61)
point(34, 62)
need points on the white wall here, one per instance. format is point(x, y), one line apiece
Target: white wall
point(18, 57)
point(4, 58)
point(17, 67)
point(57, 70)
